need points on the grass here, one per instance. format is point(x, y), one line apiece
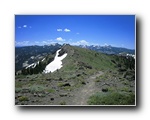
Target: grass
point(112, 98)
point(17, 90)
point(125, 89)
point(18, 84)
point(51, 90)
point(60, 84)
point(111, 89)
point(63, 103)
point(23, 98)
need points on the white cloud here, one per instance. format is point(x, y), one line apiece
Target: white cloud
point(105, 44)
point(60, 39)
point(84, 42)
point(24, 26)
point(67, 30)
point(45, 42)
point(59, 30)
point(23, 43)
point(81, 42)
point(77, 33)
point(19, 26)
point(37, 42)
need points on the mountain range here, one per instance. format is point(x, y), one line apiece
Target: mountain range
point(108, 49)
point(27, 55)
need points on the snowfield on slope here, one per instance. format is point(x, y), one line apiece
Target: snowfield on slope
point(56, 63)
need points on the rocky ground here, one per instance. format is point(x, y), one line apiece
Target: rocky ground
point(44, 90)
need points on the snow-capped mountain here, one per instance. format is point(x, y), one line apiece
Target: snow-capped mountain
point(108, 49)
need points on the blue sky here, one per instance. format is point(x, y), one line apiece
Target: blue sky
point(115, 30)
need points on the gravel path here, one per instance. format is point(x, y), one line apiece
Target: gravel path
point(82, 95)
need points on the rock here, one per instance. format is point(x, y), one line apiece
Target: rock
point(105, 89)
point(19, 95)
point(89, 67)
point(35, 94)
point(130, 90)
point(60, 79)
point(84, 73)
point(66, 84)
point(25, 103)
point(48, 79)
point(78, 75)
point(16, 102)
point(39, 95)
point(46, 93)
point(81, 68)
point(35, 101)
point(63, 94)
point(71, 95)
point(54, 88)
point(83, 83)
point(52, 99)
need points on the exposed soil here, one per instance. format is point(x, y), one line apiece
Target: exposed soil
point(81, 95)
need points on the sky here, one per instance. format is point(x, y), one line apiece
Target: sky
point(114, 30)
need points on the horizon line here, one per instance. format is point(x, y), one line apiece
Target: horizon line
point(74, 45)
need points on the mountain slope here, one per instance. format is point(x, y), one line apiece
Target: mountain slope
point(83, 71)
point(27, 55)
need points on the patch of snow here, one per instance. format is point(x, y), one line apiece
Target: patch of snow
point(32, 57)
point(30, 65)
point(43, 59)
point(34, 65)
point(56, 63)
point(25, 64)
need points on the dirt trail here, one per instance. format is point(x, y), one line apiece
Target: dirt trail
point(82, 95)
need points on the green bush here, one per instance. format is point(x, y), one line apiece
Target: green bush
point(112, 98)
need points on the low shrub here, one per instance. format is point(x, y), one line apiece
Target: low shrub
point(17, 90)
point(23, 98)
point(51, 90)
point(37, 88)
point(63, 103)
point(112, 98)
